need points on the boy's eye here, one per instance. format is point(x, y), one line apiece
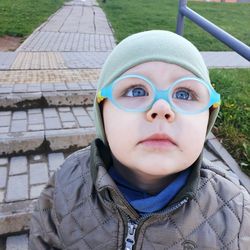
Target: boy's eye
point(136, 92)
point(184, 94)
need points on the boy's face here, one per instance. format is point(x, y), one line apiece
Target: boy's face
point(158, 142)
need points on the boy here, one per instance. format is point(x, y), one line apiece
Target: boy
point(142, 184)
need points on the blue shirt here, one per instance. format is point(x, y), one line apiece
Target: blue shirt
point(143, 202)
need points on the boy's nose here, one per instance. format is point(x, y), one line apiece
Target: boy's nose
point(161, 110)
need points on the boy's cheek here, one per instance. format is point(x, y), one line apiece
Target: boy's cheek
point(118, 122)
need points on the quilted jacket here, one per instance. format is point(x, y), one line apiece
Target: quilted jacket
point(81, 208)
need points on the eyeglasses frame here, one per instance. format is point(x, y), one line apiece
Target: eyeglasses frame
point(106, 93)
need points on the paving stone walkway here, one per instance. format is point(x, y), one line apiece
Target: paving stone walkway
point(76, 36)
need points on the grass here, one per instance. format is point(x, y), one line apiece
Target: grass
point(232, 126)
point(21, 17)
point(132, 16)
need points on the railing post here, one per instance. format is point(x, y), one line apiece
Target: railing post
point(180, 18)
point(232, 42)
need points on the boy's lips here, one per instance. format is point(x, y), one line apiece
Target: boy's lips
point(158, 139)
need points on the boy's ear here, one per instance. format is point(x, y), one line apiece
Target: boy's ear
point(213, 112)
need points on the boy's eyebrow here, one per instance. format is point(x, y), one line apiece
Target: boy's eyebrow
point(162, 84)
point(179, 77)
point(172, 80)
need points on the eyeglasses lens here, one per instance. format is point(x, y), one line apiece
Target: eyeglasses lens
point(133, 93)
point(189, 95)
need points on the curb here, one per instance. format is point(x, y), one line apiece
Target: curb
point(15, 217)
point(215, 146)
point(17, 101)
point(24, 142)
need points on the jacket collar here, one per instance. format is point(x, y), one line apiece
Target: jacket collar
point(190, 189)
point(100, 156)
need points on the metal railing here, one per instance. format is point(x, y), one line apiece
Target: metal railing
point(211, 28)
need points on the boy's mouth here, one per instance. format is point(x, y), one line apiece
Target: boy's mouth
point(158, 139)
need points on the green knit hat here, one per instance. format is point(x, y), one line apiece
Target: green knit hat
point(154, 45)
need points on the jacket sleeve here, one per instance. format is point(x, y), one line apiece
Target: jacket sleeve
point(244, 235)
point(43, 230)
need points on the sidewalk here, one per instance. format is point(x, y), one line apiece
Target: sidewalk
point(77, 36)
point(224, 59)
point(46, 96)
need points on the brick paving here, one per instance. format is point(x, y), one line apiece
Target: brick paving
point(49, 118)
point(18, 186)
point(6, 59)
point(85, 60)
point(17, 242)
point(80, 19)
point(47, 76)
point(56, 60)
point(38, 60)
point(53, 41)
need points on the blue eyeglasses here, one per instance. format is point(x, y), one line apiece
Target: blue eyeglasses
point(136, 93)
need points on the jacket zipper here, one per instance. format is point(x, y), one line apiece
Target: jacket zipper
point(130, 239)
point(133, 225)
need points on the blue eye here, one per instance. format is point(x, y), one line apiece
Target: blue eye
point(136, 92)
point(183, 95)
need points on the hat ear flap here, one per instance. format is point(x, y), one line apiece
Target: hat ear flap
point(213, 113)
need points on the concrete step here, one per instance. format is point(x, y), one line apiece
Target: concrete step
point(45, 129)
point(34, 95)
point(22, 179)
point(15, 242)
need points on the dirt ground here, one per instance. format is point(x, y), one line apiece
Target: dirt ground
point(9, 43)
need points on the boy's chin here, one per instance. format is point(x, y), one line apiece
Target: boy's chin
point(170, 160)
point(161, 168)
